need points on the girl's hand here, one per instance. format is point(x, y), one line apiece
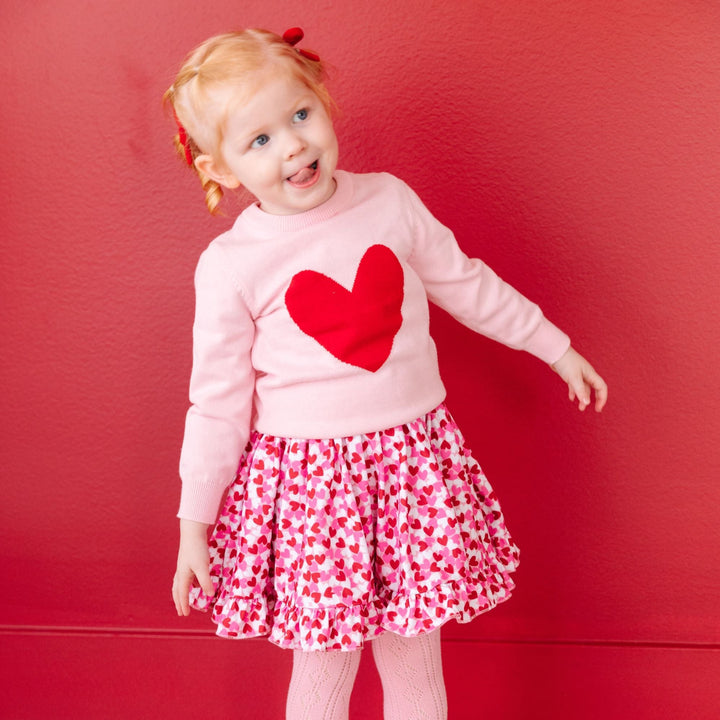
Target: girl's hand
point(193, 562)
point(581, 378)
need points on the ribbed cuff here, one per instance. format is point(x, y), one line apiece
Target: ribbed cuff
point(548, 342)
point(200, 502)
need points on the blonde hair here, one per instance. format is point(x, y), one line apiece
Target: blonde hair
point(232, 59)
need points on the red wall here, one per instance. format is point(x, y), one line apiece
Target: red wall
point(574, 145)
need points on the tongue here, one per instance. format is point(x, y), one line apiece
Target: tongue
point(302, 176)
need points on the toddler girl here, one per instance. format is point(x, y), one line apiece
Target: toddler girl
point(356, 512)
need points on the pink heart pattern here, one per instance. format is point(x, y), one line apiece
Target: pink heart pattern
point(324, 544)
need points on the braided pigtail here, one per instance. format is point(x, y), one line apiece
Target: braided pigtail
point(213, 192)
point(187, 149)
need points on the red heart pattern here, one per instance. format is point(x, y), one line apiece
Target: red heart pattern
point(356, 326)
point(329, 560)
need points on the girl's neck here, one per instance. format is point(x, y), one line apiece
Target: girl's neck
point(266, 223)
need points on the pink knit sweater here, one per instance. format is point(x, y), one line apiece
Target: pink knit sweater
point(316, 325)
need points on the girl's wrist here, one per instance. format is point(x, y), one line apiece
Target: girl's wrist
point(554, 365)
point(189, 528)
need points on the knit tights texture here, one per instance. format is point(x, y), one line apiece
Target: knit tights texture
point(410, 670)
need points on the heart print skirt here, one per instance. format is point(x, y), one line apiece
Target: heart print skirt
point(324, 544)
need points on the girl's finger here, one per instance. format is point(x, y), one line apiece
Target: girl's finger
point(600, 388)
point(205, 583)
point(181, 591)
point(601, 395)
point(582, 392)
point(176, 599)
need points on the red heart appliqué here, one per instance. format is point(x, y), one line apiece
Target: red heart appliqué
point(356, 326)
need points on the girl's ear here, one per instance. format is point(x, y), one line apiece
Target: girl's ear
point(207, 166)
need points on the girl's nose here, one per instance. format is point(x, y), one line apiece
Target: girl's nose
point(294, 145)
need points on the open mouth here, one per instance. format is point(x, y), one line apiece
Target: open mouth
point(305, 177)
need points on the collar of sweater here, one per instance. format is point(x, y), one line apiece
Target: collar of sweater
point(262, 223)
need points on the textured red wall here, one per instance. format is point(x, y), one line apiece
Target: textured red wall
point(574, 145)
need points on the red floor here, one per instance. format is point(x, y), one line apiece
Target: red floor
point(124, 676)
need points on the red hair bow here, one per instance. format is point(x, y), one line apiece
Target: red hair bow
point(293, 36)
point(183, 137)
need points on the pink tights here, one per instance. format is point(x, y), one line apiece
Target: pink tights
point(410, 670)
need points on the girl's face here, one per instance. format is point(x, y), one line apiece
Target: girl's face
point(280, 145)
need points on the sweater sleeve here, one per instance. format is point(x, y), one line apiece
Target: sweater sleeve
point(217, 426)
point(473, 294)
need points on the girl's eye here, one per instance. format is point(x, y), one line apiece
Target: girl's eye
point(300, 115)
point(259, 141)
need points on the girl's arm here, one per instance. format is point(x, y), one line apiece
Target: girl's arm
point(218, 422)
point(217, 426)
point(473, 293)
point(193, 562)
point(581, 378)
